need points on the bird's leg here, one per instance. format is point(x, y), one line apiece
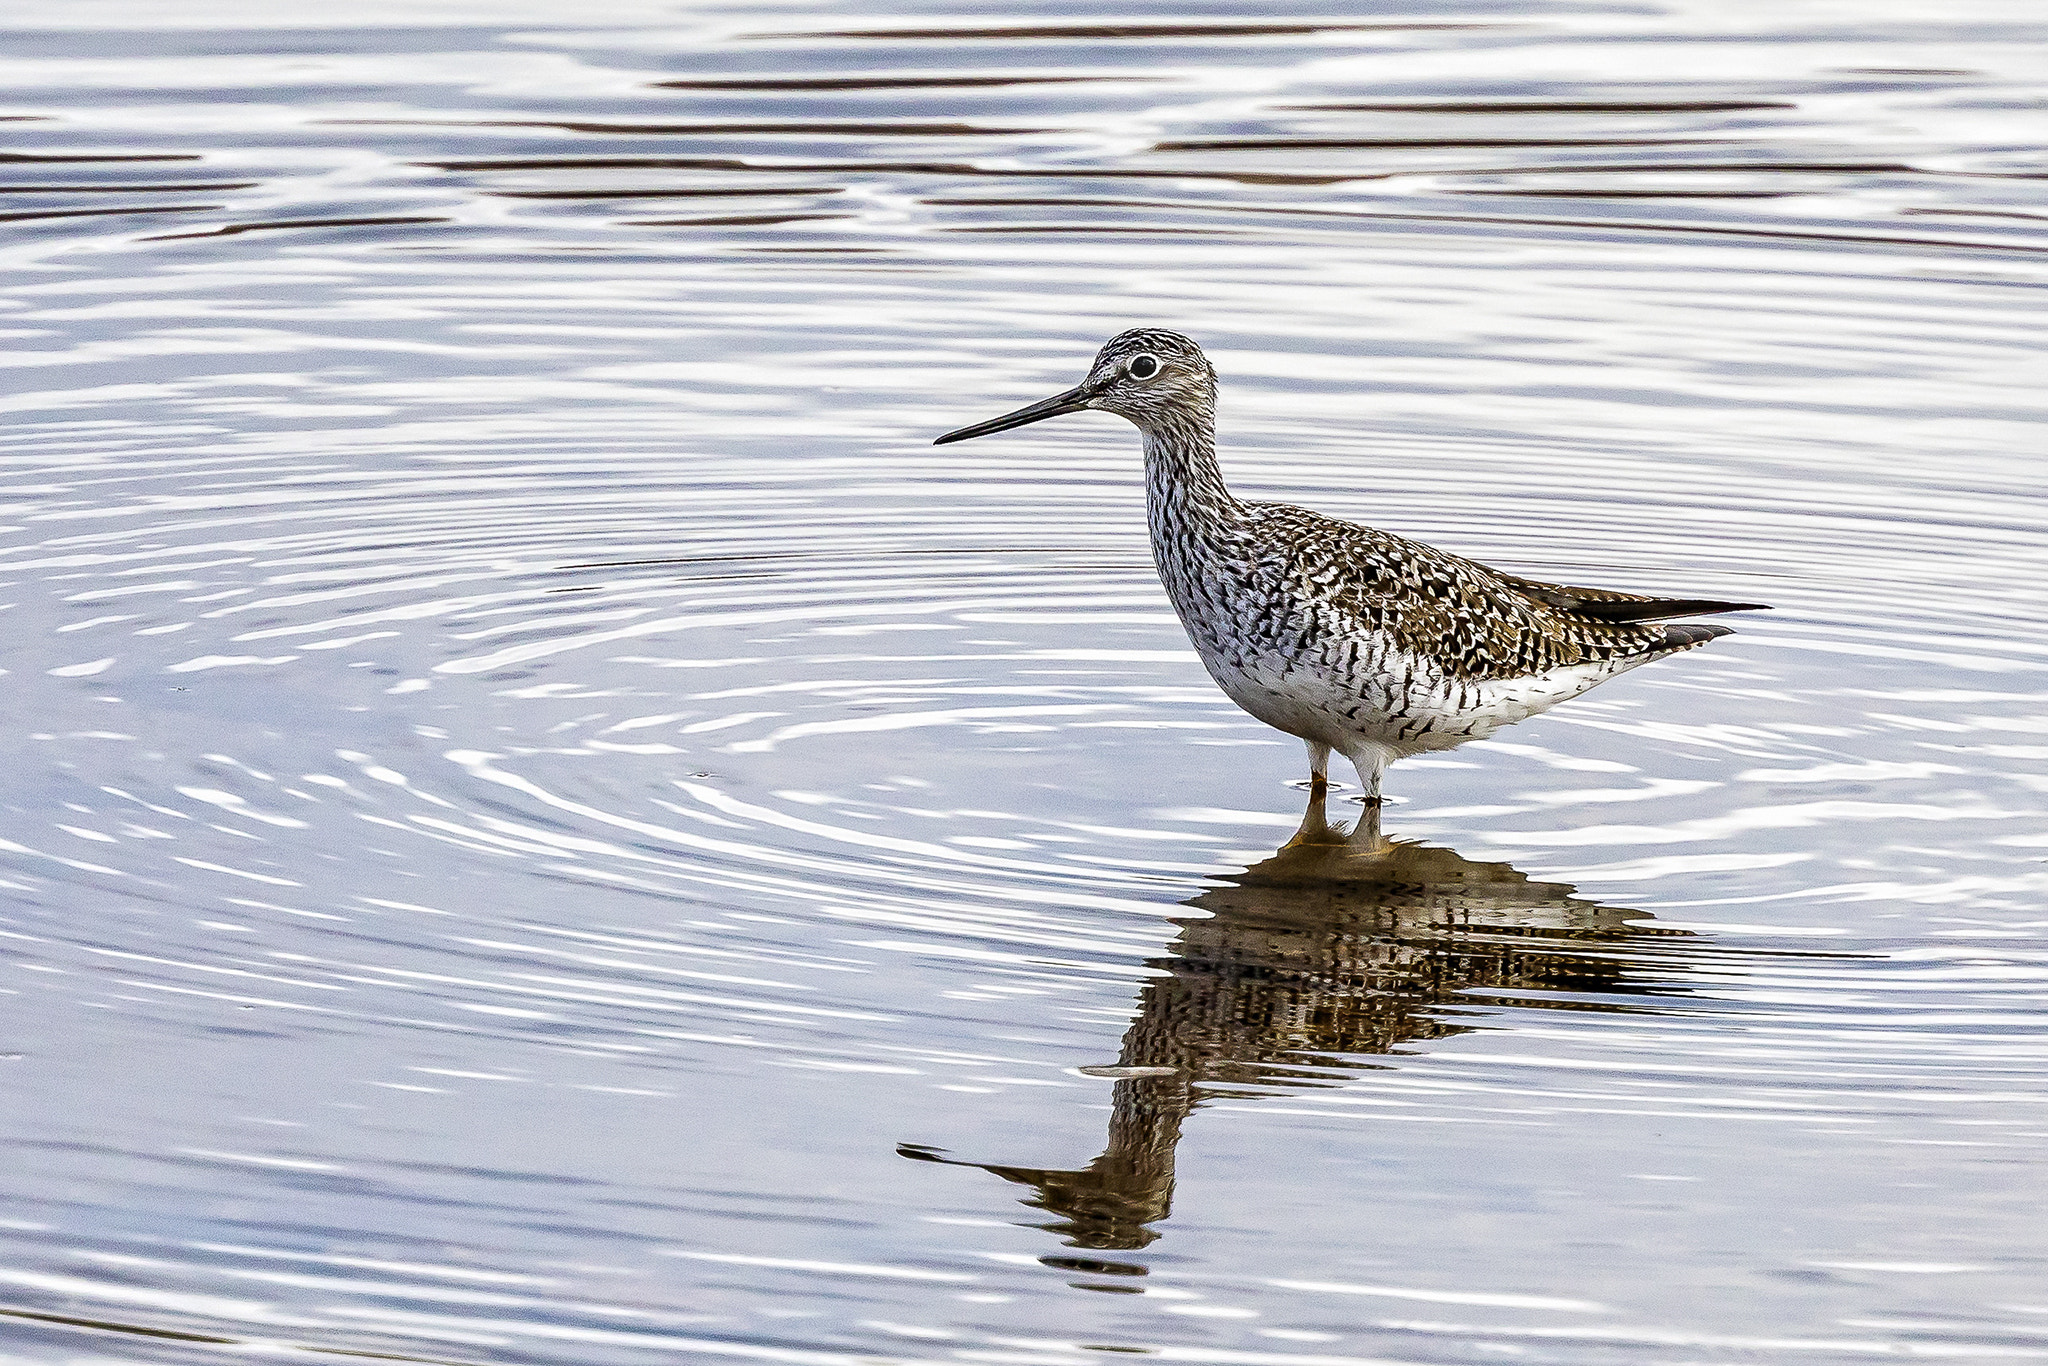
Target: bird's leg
point(1370, 762)
point(1315, 824)
point(1318, 770)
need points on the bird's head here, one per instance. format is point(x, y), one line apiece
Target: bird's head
point(1147, 374)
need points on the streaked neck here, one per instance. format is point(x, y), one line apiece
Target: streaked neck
point(1182, 478)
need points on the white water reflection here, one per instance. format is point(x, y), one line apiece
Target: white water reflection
point(533, 778)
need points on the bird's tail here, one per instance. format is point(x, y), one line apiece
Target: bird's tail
point(1693, 633)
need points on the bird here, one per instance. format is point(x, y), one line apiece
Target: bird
point(1353, 639)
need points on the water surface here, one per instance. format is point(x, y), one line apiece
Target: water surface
point(549, 824)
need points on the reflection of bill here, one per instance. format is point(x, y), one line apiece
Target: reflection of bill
point(1328, 950)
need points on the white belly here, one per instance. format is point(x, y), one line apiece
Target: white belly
point(1403, 705)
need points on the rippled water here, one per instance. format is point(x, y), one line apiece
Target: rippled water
point(548, 824)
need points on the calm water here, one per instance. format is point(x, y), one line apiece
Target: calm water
point(547, 824)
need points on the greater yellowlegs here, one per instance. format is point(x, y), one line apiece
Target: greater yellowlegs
point(1352, 639)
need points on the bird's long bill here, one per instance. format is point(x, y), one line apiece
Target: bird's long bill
point(1072, 401)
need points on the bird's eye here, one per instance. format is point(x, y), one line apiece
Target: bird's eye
point(1144, 367)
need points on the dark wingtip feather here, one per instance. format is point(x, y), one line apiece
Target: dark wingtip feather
point(1658, 609)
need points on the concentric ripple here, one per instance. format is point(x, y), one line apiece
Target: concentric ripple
point(549, 824)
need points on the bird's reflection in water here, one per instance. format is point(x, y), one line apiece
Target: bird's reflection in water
point(1306, 965)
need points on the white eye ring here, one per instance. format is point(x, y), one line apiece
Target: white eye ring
point(1143, 367)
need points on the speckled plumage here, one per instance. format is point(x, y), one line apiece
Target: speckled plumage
point(1351, 638)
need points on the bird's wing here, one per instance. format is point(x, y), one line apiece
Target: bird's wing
point(1601, 604)
point(1474, 620)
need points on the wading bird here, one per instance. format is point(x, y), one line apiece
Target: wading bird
point(1349, 638)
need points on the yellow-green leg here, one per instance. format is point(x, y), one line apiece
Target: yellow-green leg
point(1315, 823)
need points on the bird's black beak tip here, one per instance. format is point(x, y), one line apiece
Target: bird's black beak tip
point(1071, 401)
